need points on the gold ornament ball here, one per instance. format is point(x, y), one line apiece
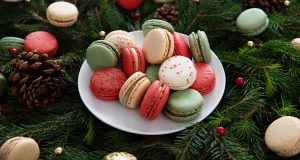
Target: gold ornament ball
point(58, 151)
point(196, 0)
point(250, 44)
point(287, 3)
point(28, 1)
point(102, 33)
point(119, 156)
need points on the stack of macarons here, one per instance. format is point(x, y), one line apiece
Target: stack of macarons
point(166, 74)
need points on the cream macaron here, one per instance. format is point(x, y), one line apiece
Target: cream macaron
point(62, 14)
point(178, 72)
point(283, 136)
point(20, 148)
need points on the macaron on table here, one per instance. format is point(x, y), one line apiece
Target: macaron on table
point(158, 98)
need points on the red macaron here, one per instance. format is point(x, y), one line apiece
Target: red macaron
point(133, 60)
point(106, 83)
point(128, 4)
point(206, 79)
point(42, 42)
point(181, 47)
point(154, 100)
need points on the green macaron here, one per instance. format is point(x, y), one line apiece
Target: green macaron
point(200, 47)
point(252, 22)
point(156, 23)
point(184, 105)
point(101, 54)
point(3, 84)
point(7, 43)
point(152, 72)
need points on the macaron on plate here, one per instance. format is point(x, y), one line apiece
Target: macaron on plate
point(130, 120)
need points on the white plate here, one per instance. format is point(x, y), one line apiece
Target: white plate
point(129, 120)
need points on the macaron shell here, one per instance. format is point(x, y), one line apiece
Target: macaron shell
point(158, 46)
point(107, 82)
point(21, 148)
point(121, 40)
point(42, 42)
point(296, 43)
point(184, 105)
point(181, 47)
point(205, 80)
point(178, 72)
point(154, 100)
point(101, 54)
point(195, 47)
point(62, 24)
point(155, 24)
point(133, 60)
point(152, 72)
point(117, 32)
point(252, 22)
point(282, 136)
point(204, 46)
point(136, 95)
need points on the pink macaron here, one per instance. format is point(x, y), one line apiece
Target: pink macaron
point(206, 79)
point(133, 60)
point(106, 83)
point(154, 100)
point(181, 47)
point(42, 42)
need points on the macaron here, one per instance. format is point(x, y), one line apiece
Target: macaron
point(205, 80)
point(121, 39)
point(119, 156)
point(295, 43)
point(106, 83)
point(133, 60)
point(158, 46)
point(20, 148)
point(283, 136)
point(62, 14)
point(154, 100)
point(156, 23)
point(101, 54)
point(134, 89)
point(3, 84)
point(42, 42)
point(200, 47)
point(178, 72)
point(12, 1)
point(8, 43)
point(152, 72)
point(252, 22)
point(181, 47)
point(163, 1)
point(184, 105)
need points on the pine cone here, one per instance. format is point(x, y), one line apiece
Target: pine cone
point(167, 13)
point(37, 80)
point(269, 6)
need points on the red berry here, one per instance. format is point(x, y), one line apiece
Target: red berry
point(221, 131)
point(136, 16)
point(13, 51)
point(128, 4)
point(240, 81)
